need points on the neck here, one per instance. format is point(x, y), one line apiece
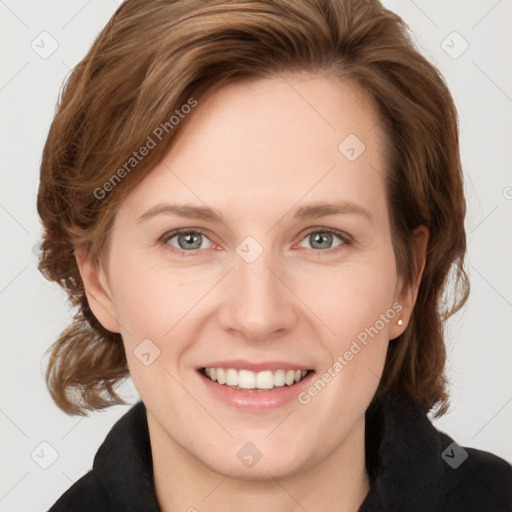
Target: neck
point(182, 482)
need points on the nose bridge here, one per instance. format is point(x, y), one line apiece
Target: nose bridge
point(259, 302)
point(256, 277)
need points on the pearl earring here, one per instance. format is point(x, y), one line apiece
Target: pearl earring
point(400, 322)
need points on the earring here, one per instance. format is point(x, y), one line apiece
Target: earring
point(400, 322)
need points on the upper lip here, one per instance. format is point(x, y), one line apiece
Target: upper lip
point(240, 364)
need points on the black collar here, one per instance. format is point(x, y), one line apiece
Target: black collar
point(403, 458)
point(124, 464)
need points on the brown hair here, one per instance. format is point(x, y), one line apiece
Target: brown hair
point(154, 56)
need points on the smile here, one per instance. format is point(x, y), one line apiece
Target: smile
point(258, 381)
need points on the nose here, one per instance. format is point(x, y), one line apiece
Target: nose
point(260, 304)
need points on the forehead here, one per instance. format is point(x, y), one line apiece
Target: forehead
point(272, 142)
point(306, 111)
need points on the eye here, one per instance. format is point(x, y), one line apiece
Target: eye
point(188, 241)
point(322, 239)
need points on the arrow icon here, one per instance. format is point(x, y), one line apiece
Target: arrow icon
point(249, 253)
point(44, 44)
point(454, 45)
point(249, 455)
point(454, 455)
point(351, 147)
point(450, 455)
point(44, 455)
point(147, 352)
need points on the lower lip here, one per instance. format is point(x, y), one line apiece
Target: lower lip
point(256, 400)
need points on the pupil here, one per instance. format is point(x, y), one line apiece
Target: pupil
point(327, 238)
point(194, 240)
point(189, 238)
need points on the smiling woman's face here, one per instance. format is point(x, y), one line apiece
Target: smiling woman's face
point(261, 285)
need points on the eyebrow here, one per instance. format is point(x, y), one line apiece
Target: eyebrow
point(310, 211)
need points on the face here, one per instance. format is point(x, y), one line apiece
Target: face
point(293, 274)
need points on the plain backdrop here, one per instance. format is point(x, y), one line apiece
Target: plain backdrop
point(43, 451)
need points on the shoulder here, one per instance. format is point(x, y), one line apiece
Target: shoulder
point(414, 466)
point(475, 480)
point(84, 495)
point(121, 477)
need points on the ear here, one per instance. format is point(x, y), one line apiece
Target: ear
point(97, 290)
point(407, 296)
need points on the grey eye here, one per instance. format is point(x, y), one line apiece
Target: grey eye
point(320, 239)
point(190, 240)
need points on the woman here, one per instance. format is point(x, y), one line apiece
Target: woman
point(255, 207)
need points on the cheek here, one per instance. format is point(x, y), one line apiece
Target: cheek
point(357, 304)
point(358, 308)
point(354, 296)
point(155, 305)
point(150, 300)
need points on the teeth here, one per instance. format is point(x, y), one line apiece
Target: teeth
point(221, 376)
point(246, 379)
point(279, 378)
point(264, 380)
point(231, 377)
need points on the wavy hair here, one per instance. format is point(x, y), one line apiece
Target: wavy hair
point(151, 58)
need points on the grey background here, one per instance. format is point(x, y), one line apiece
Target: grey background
point(33, 311)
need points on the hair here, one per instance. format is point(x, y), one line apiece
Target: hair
point(154, 56)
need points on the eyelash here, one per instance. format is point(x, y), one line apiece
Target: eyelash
point(346, 239)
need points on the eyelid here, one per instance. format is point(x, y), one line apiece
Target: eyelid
point(324, 229)
point(178, 231)
point(343, 236)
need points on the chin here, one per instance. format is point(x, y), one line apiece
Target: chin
point(275, 466)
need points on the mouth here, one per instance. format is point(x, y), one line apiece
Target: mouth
point(248, 380)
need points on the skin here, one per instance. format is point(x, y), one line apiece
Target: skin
point(254, 152)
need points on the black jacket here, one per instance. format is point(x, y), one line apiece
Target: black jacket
point(412, 467)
